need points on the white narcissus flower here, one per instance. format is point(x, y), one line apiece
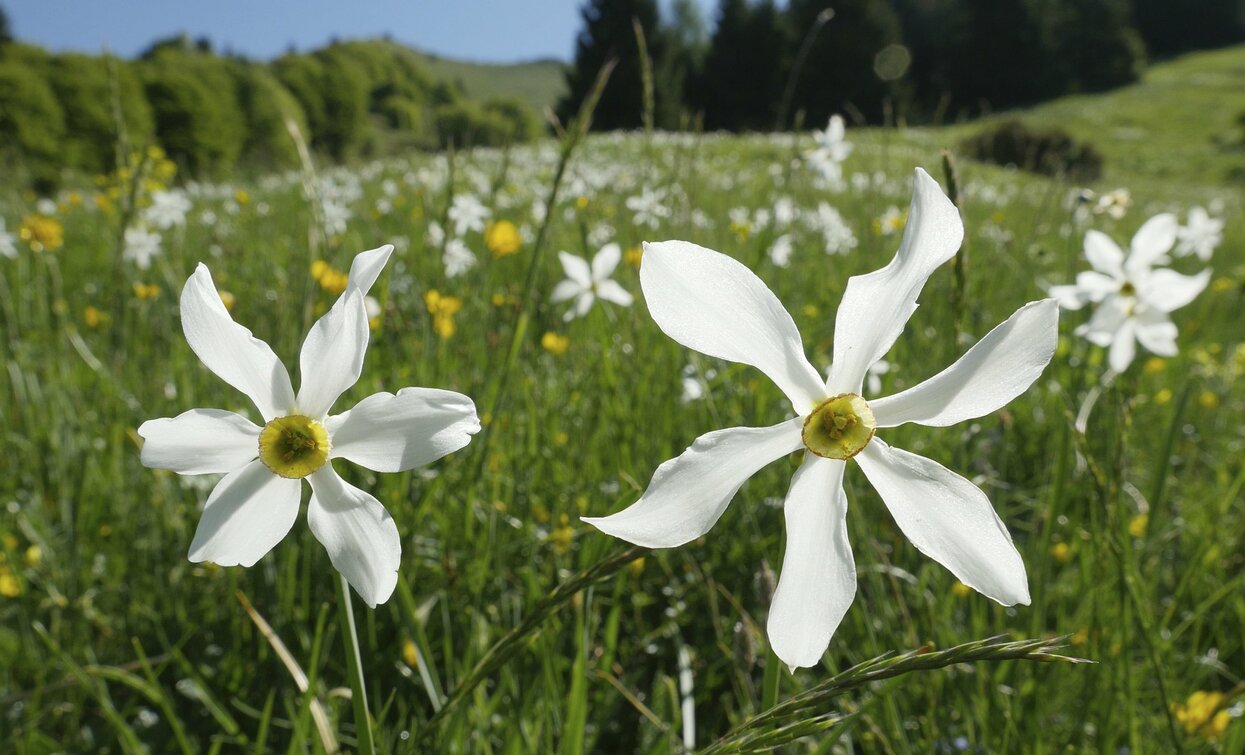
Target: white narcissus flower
point(141, 245)
point(713, 304)
point(1132, 297)
point(1200, 236)
point(585, 283)
point(256, 503)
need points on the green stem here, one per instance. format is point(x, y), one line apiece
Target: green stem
point(354, 667)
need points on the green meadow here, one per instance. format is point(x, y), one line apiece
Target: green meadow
point(517, 628)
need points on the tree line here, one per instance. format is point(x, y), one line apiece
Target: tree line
point(879, 61)
point(211, 113)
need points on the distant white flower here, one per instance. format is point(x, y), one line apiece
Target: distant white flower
point(785, 211)
point(873, 378)
point(8, 242)
point(168, 209)
point(694, 385)
point(1132, 298)
point(458, 258)
point(435, 235)
point(834, 230)
point(713, 304)
point(585, 283)
point(255, 505)
point(832, 142)
point(890, 223)
point(649, 207)
point(1200, 236)
point(467, 214)
point(46, 206)
point(337, 214)
point(780, 250)
point(141, 245)
point(1114, 203)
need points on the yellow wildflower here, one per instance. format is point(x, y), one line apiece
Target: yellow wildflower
point(555, 344)
point(1208, 400)
point(33, 556)
point(581, 202)
point(636, 567)
point(146, 291)
point(1222, 285)
point(93, 317)
point(502, 238)
point(1203, 714)
point(961, 590)
point(633, 255)
point(42, 233)
point(1138, 524)
point(442, 309)
point(9, 586)
point(1061, 552)
point(1154, 365)
point(563, 536)
point(227, 299)
point(561, 438)
point(241, 196)
point(1163, 396)
point(409, 656)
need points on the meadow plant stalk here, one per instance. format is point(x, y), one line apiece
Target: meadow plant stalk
point(354, 669)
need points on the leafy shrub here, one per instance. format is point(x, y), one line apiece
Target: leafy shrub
point(267, 104)
point(195, 107)
point(32, 122)
point(1046, 151)
point(88, 88)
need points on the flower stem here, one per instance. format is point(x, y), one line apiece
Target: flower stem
point(354, 667)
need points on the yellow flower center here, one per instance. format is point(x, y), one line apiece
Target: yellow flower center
point(840, 427)
point(293, 446)
point(1128, 289)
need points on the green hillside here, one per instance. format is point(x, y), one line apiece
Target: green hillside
point(1183, 119)
point(539, 83)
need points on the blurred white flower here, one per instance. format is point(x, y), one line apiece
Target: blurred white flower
point(649, 207)
point(255, 505)
point(467, 214)
point(141, 245)
point(780, 250)
point(458, 258)
point(168, 209)
point(834, 230)
point(1114, 203)
point(1132, 297)
point(8, 242)
point(1200, 235)
point(585, 283)
point(713, 304)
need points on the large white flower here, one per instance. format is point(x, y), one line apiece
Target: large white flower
point(585, 283)
point(256, 503)
point(713, 304)
point(1132, 297)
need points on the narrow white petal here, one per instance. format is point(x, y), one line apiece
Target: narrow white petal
point(717, 306)
point(1070, 297)
point(366, 267)
point(605, 261)
point(200, 441)
point(818, 578)
point(997, 369)
point(1097, 286)
point(1123, 346)
point(948, 519)
point(613, 292)
point(229, 350)
point(391, 433)
point(332, 356)
point(567, 289)
point(1167, 290)
point(688, 494)
point(876, 306)
point(248, 512)
point(576, 268)
point(1157, 334)
point(1107, 320)
point(357, 531)
point(1152, 242)
point(581, 306)
point(1104, 254)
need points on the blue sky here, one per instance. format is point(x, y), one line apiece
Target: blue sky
point(481, 30)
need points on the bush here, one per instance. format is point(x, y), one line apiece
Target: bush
point(84, 86)
point(267, 104)
point(32, 123)
point(1048, 152)
point(195, 107)
point(496, 123)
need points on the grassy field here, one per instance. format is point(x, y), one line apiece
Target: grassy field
point(539, 83)
point(112, 641)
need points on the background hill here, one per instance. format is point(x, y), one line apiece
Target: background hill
point(539, 83)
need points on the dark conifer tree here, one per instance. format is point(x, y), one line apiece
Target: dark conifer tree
point(741, 84)
point(608, 34)
point(1093, 43)
point(1174, 26)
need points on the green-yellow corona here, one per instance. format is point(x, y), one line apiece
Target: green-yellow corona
point(840, 427)
point(294, 446)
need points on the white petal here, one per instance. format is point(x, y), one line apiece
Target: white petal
point(229, 350)
point(1107, 320)
point(1104, 254)
point(248, 512)
point(332, 356)
point(576, 269)
point(876, 306)
point(391, 433)
point(1069, 296)
point(1097, 286)
point(567, 289)
point(1152, 241)
point(605, 261)
point(818, 578)
point(200, 441)
point(948, 519)
point(581, 306)
point(997, 369)
point(1167, 290)
point(1157, 333)
point(713, 304)
point(611, 291)
point(1123, 346)
point(366, 268)
point(689, 493)
point(357, 531)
